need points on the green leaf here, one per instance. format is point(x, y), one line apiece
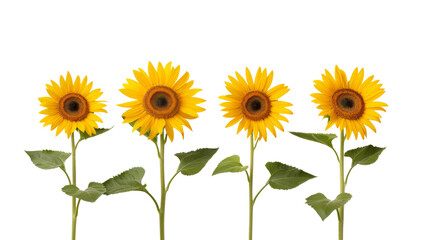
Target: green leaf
point(48, 159)
point(192, 162)
point(322, 138)
point(364, 155)
point(286, 177)
point(155, 139)
point(98, 131)
point(230, 164)
point(91, 194)
point(324, 207)
point(129, 180)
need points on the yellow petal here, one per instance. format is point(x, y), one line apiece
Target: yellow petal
point(249, 79)
point(143, 79)
point(86, 90)
point(174, 75)
point(281, 104)
point(57, 89)
point(268, 81)
point(146, 125)
point(242, 81)
point(130, 104)
point(175, 123)
point(258, 79)
point(169, 130)
point(241, 125)
point(354, 80)
point(153, 75)
point(233, 121)
point(132, 93)
point(276, 94)
point(182, 81)
point(161, 74)
point(340, 81)
point(69, 83)
point(94, 117)
point(262, 129)
point(167, 72)
point(76, 85)
point(92, 96)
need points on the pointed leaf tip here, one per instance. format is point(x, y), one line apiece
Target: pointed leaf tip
point(48, 159)
point(129, 180)
point(193, 162)
point(322, 138)
point(286, 177)
point(98, 131)
point(364, 155)
point(230, 164)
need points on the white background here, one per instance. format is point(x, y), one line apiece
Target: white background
point(297, 39)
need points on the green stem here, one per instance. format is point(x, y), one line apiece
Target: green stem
point(67, 175)
point(254, 200)
point(342, 188)
point(157, 150)
point(336, 154)
point(168, 185)
point(251, 202)
point(163, 189)
point(153, 199)
point(77, 209)
point(347, 177)
point(74, 207)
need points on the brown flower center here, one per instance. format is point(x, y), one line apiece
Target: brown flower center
point(348, 104)
point(256, 105)
point(161, 102)
point(73, 107)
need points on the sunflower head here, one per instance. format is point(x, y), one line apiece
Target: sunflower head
point(255, 106)
point(350, 104)
point(72, 105)
point(160, 100)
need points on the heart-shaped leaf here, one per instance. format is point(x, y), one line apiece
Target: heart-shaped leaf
point(364, 155)
point(286, 177)
point(48, 159)
point(323, 206)
point(91, 194)
point(230, 164)
point(192, 162)
point(322, 138)
point(129, 180)
point(98, 131)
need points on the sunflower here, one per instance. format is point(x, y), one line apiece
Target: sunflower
point(254, 105)
point(350, 104)
point(162, 99)
point(72, 106)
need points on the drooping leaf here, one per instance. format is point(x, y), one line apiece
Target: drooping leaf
point(91, 194)
point(192, 162)
point(323, 206)
point(155, 139)
point(286, 177)
point(230, 164)
point(129, 180)
point(322, 138)
point(98, 131)
point(364, 155)
point(48, 159)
